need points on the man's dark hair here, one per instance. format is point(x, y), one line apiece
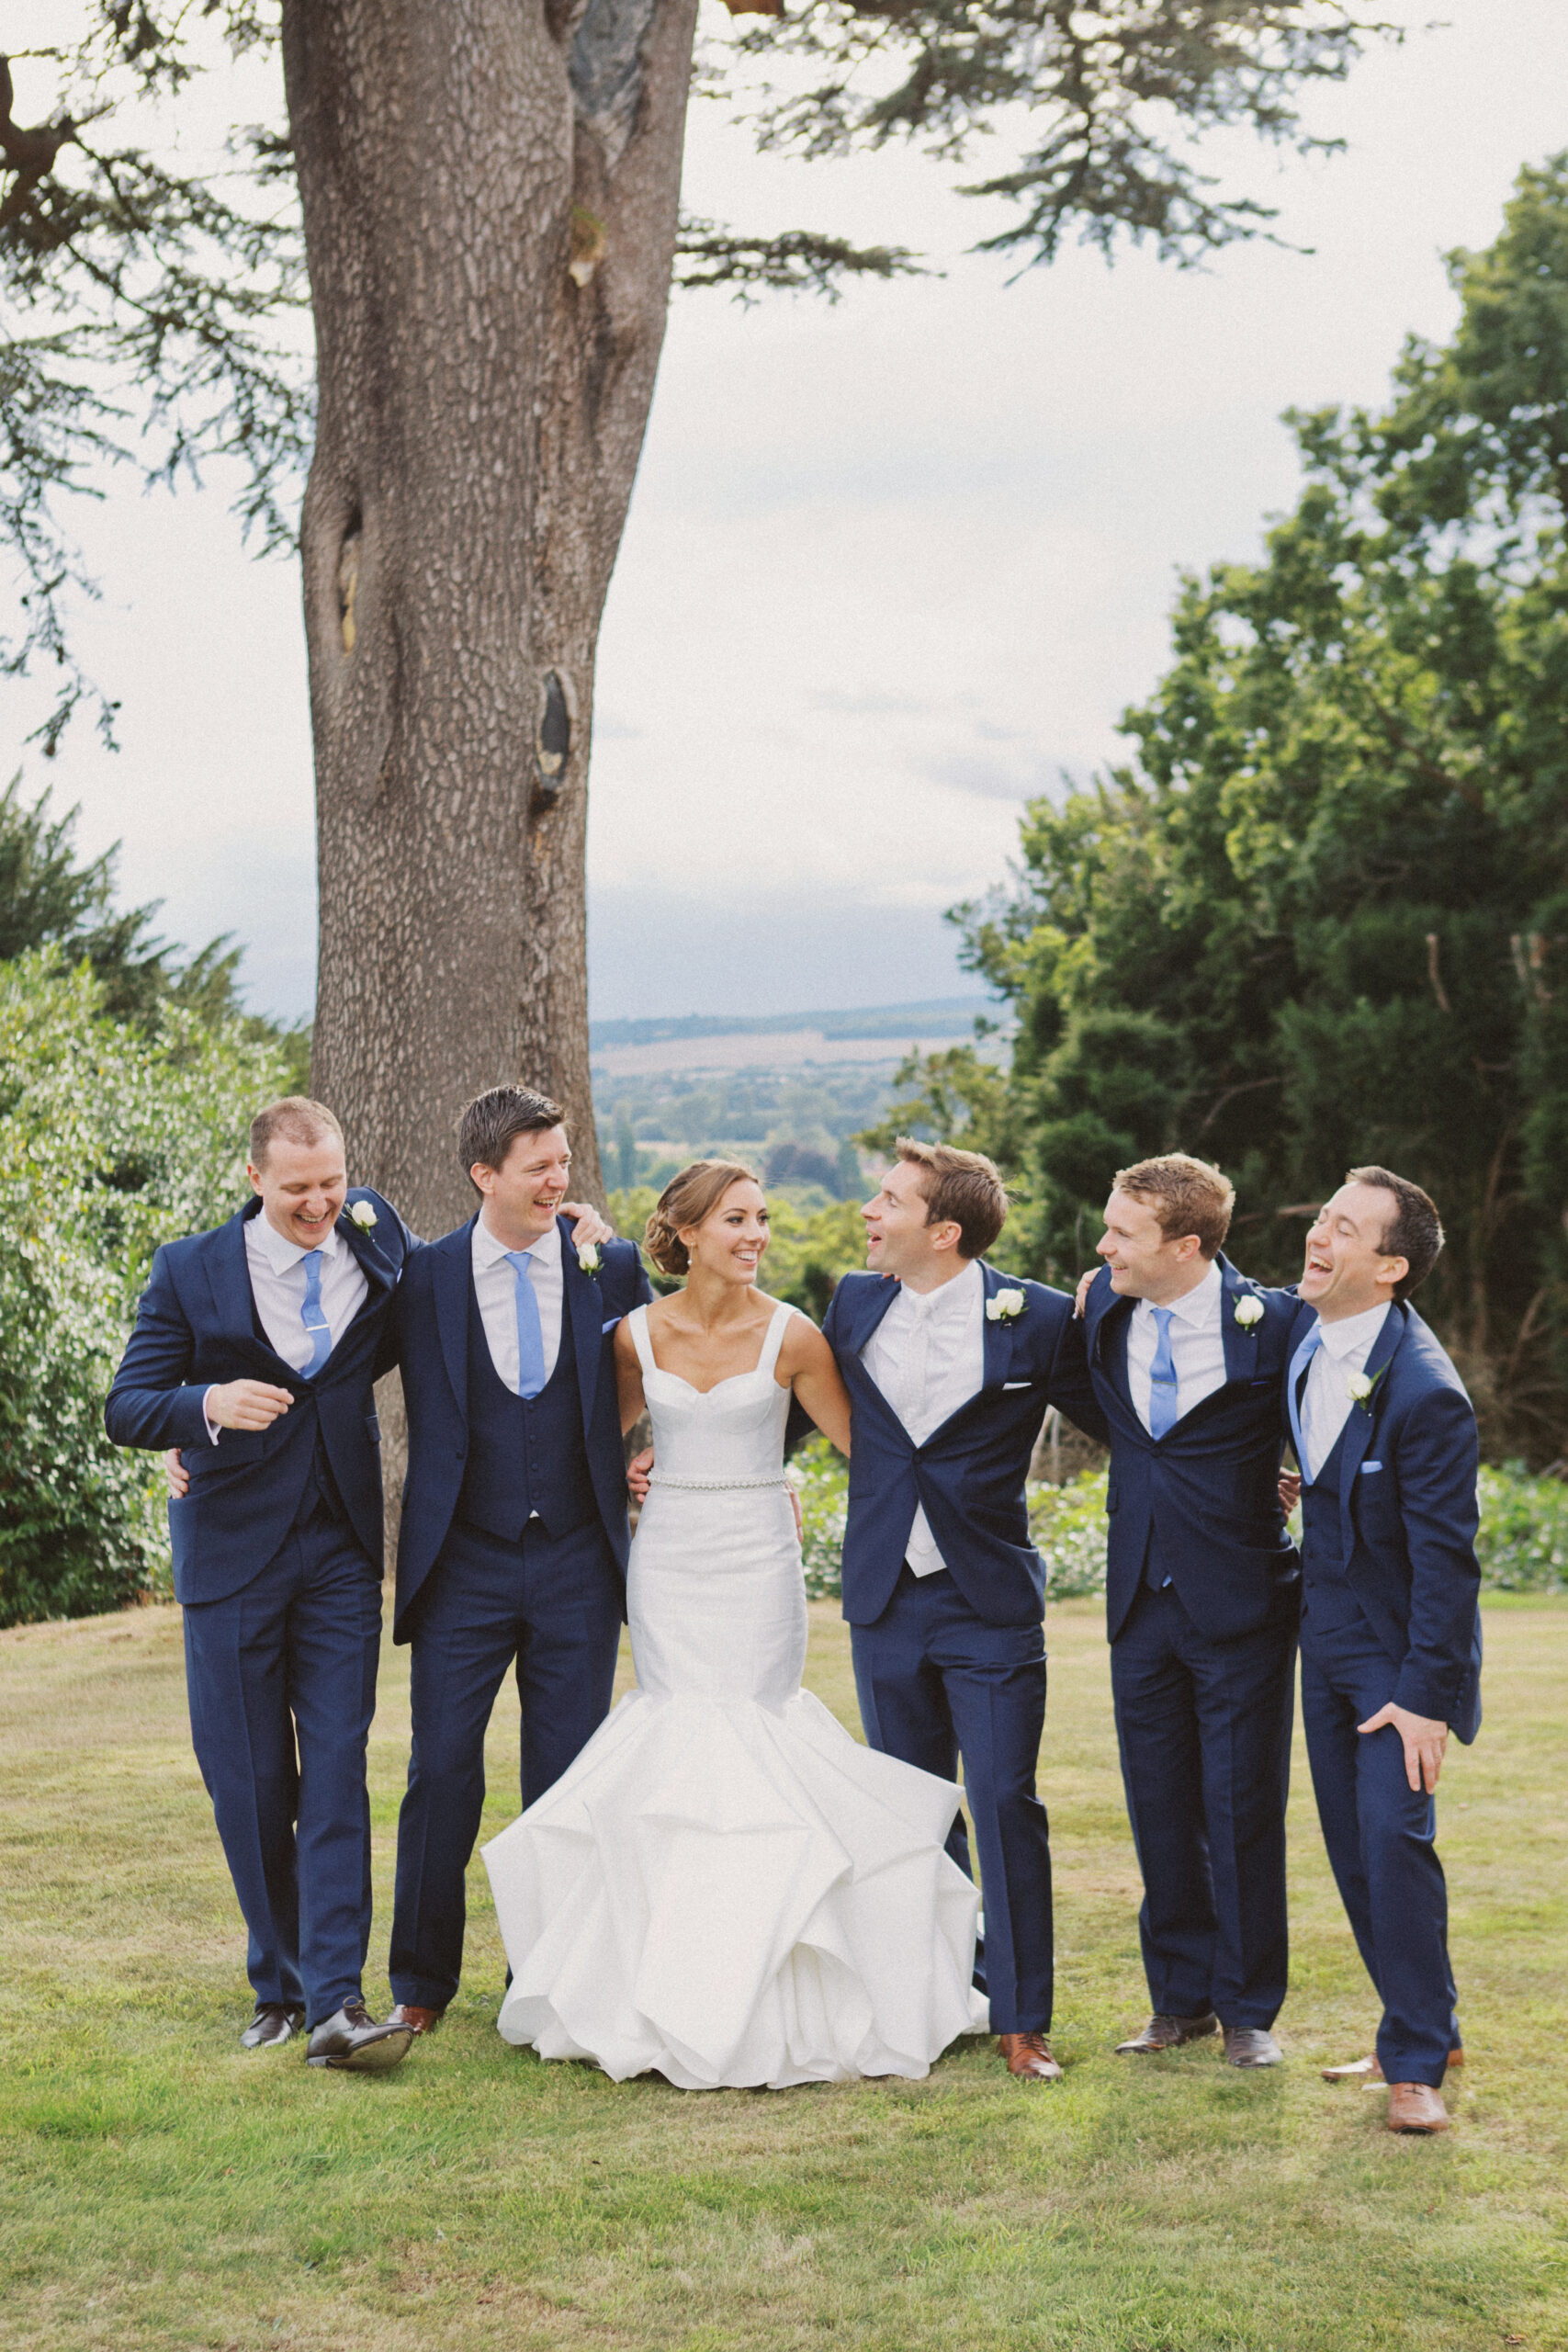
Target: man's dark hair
point(492, 1122)
point(1415, 1231)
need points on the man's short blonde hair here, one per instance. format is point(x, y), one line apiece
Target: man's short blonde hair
point(295, 1118)
point(1188, 1195)
point(962, 1187)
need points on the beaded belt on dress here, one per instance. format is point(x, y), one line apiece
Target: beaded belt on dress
point(711, 1486)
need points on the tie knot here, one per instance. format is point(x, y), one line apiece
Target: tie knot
point(518, 1260)
point(312, 1258)
point(1161, 1316)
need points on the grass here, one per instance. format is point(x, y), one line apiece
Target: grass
point(161, 2189)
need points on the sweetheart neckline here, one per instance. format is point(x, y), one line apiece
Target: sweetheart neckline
point(729, 1381)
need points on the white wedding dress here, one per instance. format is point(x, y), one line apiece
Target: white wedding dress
point(726, 1887)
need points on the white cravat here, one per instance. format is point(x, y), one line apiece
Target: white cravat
point(1326, 1403)
point(495, 1287)
point(277, 1269)
point(928, 1357)
point(1196, 1346)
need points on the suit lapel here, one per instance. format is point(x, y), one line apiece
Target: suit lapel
point(451, 1279)
point(1362, 1426)
point(872, 1306)
point(997, 1335)
point(1108, 1318)
point(584, 1301)
point(229, 1279)
point(1240, 1346)
point(367, 1256)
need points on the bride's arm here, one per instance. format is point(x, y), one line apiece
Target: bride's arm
point(806, 1361)
point(628, 1376)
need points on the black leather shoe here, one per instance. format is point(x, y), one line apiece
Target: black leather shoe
point(273, 2023)
point(1169, 2033)
point(354, 2039)
point(1252, 2045)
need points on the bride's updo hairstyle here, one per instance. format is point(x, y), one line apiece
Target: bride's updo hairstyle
point(685, 1201)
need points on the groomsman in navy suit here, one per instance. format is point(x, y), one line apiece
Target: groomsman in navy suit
point(1391, 1627)
point(1203, 1591)
point(254, 1352)
point(950, 1368)
point(513, 1539)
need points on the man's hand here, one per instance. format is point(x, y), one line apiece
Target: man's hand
point(246, 1403)
point(589, 1229)
point(1289, 1490)
point(176, 1474)
point(638, 1469)
point(1082, 1292)
point(1425, 1739)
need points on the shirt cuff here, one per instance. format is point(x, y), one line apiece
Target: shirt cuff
point(211, 1424)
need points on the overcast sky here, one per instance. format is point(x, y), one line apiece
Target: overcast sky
point(891, 565)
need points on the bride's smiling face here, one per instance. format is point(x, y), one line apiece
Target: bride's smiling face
point(731, 1239)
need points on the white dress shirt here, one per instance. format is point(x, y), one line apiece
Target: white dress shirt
point(1196, 1346)
point(495, 1287)
point(928, 1357)
point(277, 1269)
point(1325, 1404)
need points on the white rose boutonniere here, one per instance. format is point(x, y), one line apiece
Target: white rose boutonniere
point(590, 1257)
point(1249, 1311)
point(1006, 1306)
point(363, 1216)
point(1361, 1390)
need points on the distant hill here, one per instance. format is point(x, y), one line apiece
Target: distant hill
point(944, 1016)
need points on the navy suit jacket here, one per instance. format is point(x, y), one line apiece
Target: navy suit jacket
point(1209, 1484)
point(431, 1326)
point(197, 1326)
point(970, 1473)
point(1408, 1518)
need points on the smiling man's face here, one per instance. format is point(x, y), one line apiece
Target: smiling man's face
point(302, 1187)
point(1348, 1272)
point(523, 1195)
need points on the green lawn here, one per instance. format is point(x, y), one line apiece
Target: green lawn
point(162, 2188)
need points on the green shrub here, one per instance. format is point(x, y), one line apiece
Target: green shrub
point(112, 1140)
point(1524, 1531)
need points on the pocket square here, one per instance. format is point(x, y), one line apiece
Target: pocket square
point(611, 1323)
point(1367, 1467)
point(1017, 1383)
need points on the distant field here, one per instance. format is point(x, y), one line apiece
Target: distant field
point(160, 2190)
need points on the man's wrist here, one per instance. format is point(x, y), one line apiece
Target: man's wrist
point(206, 1414)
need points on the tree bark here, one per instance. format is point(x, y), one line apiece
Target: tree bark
point(489, 192)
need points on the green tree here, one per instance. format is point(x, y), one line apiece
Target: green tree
point(1321, 917)
point(49, 899)
point(113, 1137)
point(479, 205)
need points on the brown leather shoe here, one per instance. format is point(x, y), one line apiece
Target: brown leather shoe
point(1416, 2106)
point(1252, 2045)
point(1029, 2057)
point(1367, 2072)
point(1169, 2033)
point(418, 2021)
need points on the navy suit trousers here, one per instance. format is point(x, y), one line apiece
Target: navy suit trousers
point(554, 1605)
point(936, 1682)
point(1380, 1834)
point(1204, 1732)
point(281, 1678)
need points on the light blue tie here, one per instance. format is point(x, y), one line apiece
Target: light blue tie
point(1163, 1414)
point(311, 1316)
point(530, 1333)
point(1301, 1362)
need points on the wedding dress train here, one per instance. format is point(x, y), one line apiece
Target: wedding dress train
point(726, 1887)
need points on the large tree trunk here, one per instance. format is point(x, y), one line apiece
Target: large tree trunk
point(490, 191)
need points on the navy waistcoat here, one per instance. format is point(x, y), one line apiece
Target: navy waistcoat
point(1329, 1597)
point(524, 1455)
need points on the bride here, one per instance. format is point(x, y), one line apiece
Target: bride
point(726, 1887)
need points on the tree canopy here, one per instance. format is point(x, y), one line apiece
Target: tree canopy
point(156, 311)
point(1321, 917)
